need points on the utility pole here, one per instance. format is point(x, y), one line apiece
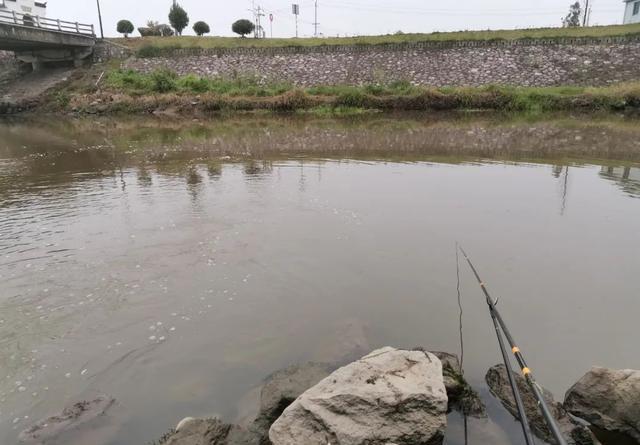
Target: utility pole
point(585, 20)
point(258, 22)
point(271, 24)
point(315, 22)
point(100, 19)
point(296, 11)
point(255, 19)
point(259, 15)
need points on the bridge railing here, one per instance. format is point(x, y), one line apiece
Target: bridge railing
point(34, 21)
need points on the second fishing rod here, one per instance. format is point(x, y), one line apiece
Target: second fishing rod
point(499, 324)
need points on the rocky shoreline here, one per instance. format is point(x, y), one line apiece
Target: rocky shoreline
point(402, 397)
point(389, 396)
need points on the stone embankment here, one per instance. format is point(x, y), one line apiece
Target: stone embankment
point(559, 62)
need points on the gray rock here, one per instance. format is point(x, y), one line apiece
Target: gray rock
point(285, 386)
point(575, 432)
point(281, 389)
point(388, 396)
point(199, 432)
point(609, 399)
point(71, 418)
point(462, 397)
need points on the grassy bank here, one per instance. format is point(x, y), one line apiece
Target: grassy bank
point(137, 43)
point(131, 92)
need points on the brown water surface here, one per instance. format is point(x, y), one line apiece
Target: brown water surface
point(175, 265)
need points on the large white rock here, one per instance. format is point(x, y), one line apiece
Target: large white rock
point(609, 399)
point(390, 396)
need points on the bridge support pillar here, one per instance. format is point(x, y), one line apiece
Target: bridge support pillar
point(39, 58)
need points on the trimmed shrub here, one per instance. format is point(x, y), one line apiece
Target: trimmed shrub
point(243, 27)
point(125, 27)
point(201, 28)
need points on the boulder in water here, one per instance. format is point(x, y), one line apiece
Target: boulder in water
point(462, 397)
point(608, 399)
point(71, 418)
point(281, 389)
point(575, 432)
point(389, 396)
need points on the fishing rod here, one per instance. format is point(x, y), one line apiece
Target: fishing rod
point(498, 323)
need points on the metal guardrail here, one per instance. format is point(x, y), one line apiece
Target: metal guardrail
point(34, 21)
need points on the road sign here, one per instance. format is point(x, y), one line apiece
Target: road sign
point(271, 17)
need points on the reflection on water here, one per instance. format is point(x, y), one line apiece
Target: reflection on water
point(627, 178)
point(173, 267)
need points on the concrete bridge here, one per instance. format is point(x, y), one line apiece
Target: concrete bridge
point(39, 40)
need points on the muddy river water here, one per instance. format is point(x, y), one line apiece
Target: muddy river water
point(173, 266)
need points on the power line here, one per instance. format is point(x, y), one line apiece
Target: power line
point(442, 12)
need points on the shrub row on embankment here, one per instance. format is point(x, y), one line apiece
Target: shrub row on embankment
point(155, 46)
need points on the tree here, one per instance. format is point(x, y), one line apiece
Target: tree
point(201, 28)
point(165, 30)
point(155, 29)
point(243, 27)
point(572, 19)
point(125, 27)
point(178, 18)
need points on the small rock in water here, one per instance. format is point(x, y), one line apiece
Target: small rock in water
point(462, 396)
point(192, 431)
point(70, 418)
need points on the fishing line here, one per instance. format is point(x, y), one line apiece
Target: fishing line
point(464, 412)
point(459, 306)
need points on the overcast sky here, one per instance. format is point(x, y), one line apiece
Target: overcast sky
point(343, 17)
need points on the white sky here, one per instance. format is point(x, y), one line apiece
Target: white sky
point(343, 17)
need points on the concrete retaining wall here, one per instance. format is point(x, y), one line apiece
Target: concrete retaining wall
point(105, 50)
point(10, 68)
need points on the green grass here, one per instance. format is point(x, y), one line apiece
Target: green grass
point(164, 81)
point(155, 44)
point(163, 89)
